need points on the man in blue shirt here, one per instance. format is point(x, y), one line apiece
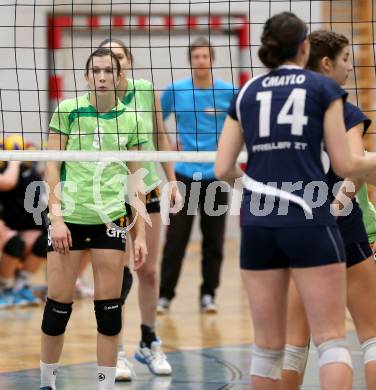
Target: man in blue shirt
point(200, 104)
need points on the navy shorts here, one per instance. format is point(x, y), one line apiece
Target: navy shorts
point(355, 238)
point(153, 202)
point(357, 252)
point(104, 236)
point(264, 248)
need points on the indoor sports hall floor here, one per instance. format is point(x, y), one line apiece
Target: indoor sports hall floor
point(207, 352)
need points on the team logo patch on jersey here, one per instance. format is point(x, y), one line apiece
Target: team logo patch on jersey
point(101, 377)
point(113, 232)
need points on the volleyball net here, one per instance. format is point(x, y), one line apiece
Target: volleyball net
point(44, 46)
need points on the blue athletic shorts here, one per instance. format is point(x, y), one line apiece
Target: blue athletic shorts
point(355, 238)
point(264, 248)
point(357, 252)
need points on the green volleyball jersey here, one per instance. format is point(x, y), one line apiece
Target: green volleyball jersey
point(369, 213)
point(93, 192)
point(140, 98)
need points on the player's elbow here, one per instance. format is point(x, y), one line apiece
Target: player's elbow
point(220, 171)
point(343, 169)
point(355, 167)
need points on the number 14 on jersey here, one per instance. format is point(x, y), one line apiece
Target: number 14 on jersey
point(292, 112)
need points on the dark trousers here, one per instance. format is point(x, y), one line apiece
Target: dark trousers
point(179, 230)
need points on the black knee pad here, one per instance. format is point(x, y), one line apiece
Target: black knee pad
point(40, 245)
point(108, 315)
point(127, 284)
point(15, 247)
point(55, 317)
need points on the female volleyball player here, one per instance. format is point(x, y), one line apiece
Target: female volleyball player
point(330, 55)
point(139, 96)
point(88, 205)
point(12, 244)
point(29, 247)
point(283, 117)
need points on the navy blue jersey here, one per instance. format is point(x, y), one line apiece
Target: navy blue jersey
point(282, 115)
point(350, 226)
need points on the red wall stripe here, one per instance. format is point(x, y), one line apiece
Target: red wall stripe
point(192, 21)
point(168, 21)
point(118, 21)
point(243, 78)
point(142, 21)
point(244, 34)
point(55, 84)
point(93, 21)
point(55, 27)
point(215, 22)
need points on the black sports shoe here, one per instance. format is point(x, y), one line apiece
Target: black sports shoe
point(46, 388)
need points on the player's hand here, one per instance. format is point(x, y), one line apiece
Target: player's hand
point(176, 200)
point(61, 237)
point(374, 248)
point(140, 252)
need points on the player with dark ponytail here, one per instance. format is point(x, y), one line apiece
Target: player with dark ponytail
point(283, 117)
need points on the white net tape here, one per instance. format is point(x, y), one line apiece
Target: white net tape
point(52, 155)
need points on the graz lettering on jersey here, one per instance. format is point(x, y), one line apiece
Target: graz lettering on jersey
point(115, 233)
point(279, 81)
point(279, 146)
